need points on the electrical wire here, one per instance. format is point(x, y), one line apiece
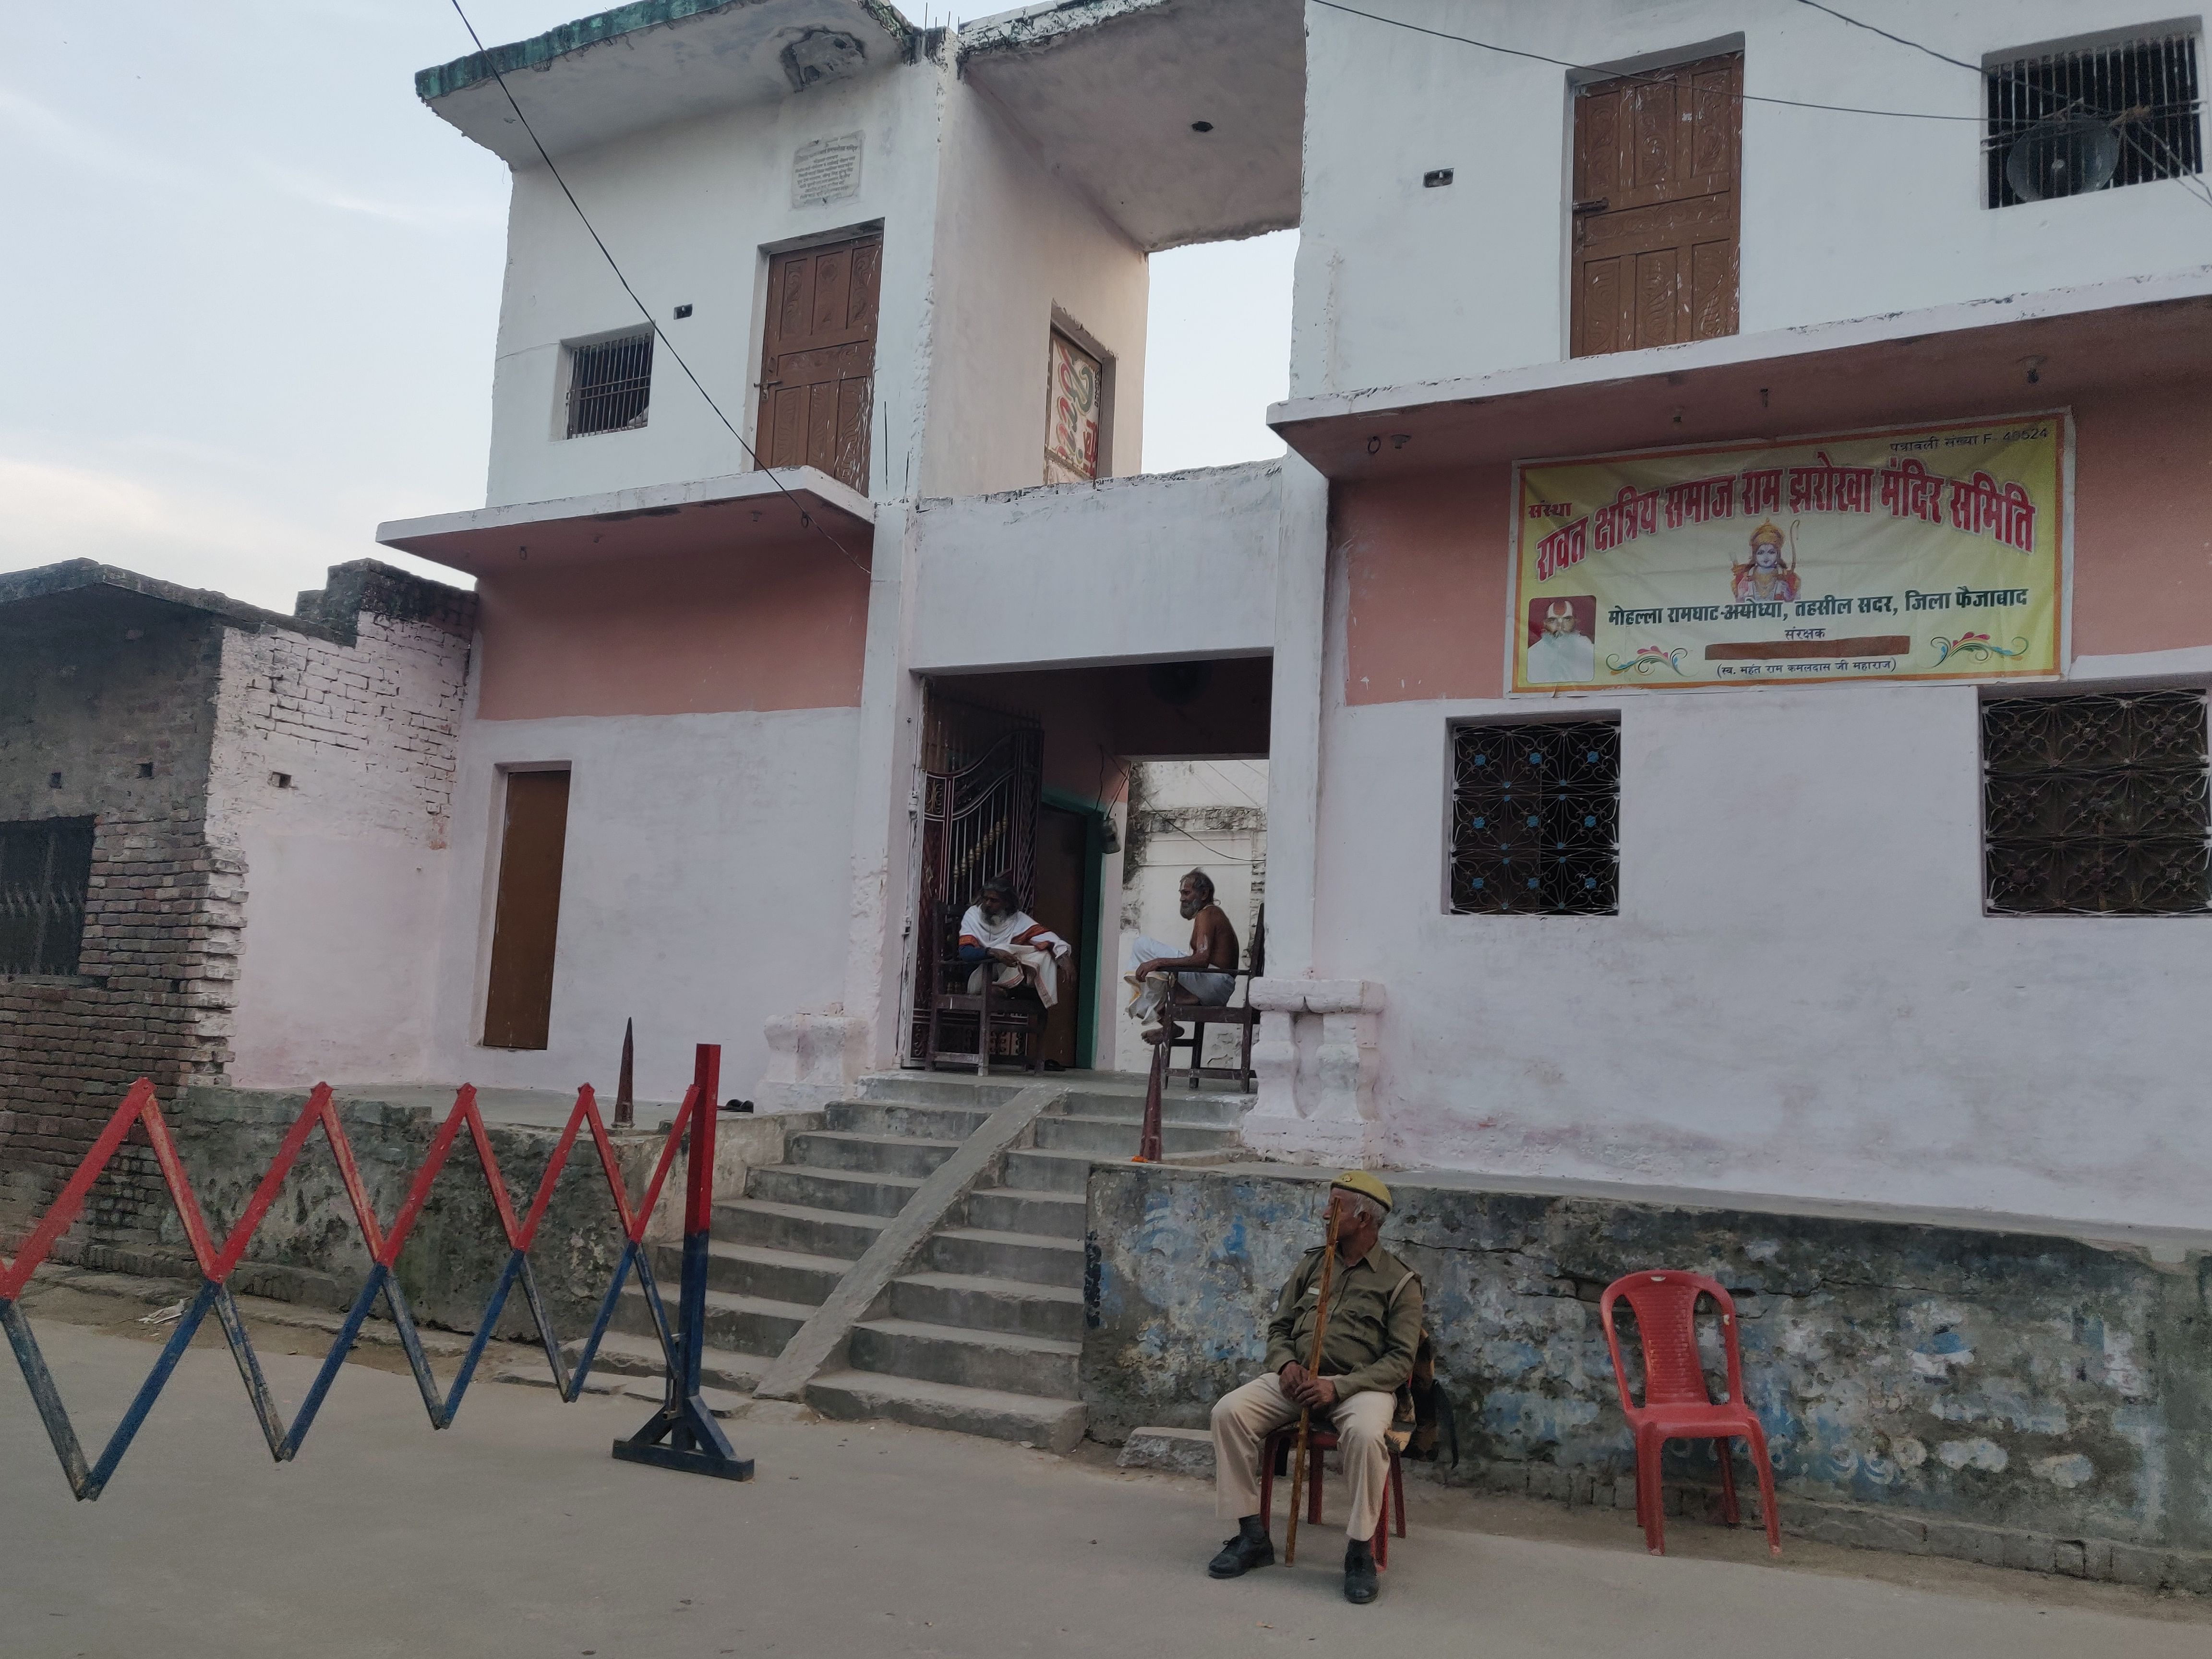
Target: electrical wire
point(1857, 23)
point(2192, 183)
point(805, 518)
point(1647, 79)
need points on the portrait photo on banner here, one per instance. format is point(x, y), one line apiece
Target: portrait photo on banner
point(1928, 552)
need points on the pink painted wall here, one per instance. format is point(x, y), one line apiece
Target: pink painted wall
point(771, 627)
point(2143, 520)
point(1426, 559)
point(1425, 556)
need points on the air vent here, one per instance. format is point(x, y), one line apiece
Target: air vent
point(2070, 120)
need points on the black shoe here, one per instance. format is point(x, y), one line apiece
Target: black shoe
point(1250, 1548)
point(1360, 1585)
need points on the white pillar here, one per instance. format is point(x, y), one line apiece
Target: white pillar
point(814, 1054)
point(1294, 722)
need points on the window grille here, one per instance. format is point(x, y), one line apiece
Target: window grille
point(2097, 806)
point(2093, 118)
point(45, 870)
point(1536, 819)
point(610, 385)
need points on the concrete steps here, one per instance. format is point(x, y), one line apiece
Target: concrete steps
point(623, 1355)
point(856, 1396)
point(1032, 1258)
point(977, 1304)
point(983, 1332)
point(756, 1270)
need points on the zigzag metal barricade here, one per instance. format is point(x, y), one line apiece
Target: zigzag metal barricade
point(697, 1441)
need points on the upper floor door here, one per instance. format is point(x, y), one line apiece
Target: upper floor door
point(1658, 164)
point(818, 358)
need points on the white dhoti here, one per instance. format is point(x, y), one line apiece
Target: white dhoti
point(1040, 968)
point(1209, 988)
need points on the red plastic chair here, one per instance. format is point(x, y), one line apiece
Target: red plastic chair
point(1676, 1405)
point(1282, 1440)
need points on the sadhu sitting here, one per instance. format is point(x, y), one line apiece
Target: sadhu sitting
point(1371, 1330)
point(998, 935)
point(1160, 979)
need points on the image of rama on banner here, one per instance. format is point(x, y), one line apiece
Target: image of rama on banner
point(1922, 553)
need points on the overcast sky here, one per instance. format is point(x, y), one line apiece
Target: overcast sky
point(254, 285)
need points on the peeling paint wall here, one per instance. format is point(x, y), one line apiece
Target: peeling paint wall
point(343, 864)
point(1967, 1386)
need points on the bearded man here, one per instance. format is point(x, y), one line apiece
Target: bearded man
point(1004, 941)
point(1564, 655)
point(1204, 975)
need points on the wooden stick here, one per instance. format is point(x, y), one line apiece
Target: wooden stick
point(1313, 1368)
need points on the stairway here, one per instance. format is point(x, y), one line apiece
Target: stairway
point(983, 1334)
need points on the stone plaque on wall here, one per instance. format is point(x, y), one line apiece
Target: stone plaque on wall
point(826, 170)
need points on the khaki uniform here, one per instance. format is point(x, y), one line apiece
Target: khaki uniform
point(1374, 1326)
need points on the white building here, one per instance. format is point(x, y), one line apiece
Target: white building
point(1773, 953)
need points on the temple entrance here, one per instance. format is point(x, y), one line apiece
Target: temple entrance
point(1027, 773)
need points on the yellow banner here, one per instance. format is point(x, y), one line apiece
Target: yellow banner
point(1915, 553)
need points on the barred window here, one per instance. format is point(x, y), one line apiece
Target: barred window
point(45, 870)
point(609, 384)
point(1536, 819)
point(2073, 119)
point(2097, 806)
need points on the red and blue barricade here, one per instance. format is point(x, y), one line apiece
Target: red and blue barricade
point(683, 1434)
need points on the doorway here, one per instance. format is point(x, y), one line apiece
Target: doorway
point(818, 358)
point(1657, 159)
point(1067, 888)
point(526, 923)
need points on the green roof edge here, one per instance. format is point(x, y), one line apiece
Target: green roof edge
point(598, 29)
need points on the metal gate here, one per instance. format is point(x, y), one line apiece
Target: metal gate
point(983, 782)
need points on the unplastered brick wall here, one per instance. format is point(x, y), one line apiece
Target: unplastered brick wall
point(370, 719)
point(106, 703)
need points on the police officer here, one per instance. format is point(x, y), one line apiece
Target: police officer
point(1373, 1327)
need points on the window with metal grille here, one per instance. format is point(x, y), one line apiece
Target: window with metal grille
point(2097, 806)
point(1536, 819)
point(45, 870)
point(609, 384)
point(2069, 120)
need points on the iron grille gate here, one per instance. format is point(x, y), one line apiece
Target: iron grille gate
point(983, 782)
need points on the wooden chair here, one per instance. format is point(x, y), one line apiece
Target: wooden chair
point(1274, 1464)
point(1245, 1019)
point(990, 1011)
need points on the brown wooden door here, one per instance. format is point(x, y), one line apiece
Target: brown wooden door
point(519, 1001)
point(1062, 887)
point(818, 358)
point(1658, 157)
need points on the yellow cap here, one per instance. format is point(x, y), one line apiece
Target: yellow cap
point(1368, 1185)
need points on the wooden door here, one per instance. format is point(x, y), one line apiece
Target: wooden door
point(818, 358)
point(1063, 894)
point(1658, 157)
point(518, 1001)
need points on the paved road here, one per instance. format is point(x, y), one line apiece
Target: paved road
point(514, 1533)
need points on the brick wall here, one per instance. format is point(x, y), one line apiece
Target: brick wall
point(102, 684)
point(98, 690)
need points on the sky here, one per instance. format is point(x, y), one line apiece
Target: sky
point(257, 283)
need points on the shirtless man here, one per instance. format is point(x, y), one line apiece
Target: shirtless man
point(1206, 976)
